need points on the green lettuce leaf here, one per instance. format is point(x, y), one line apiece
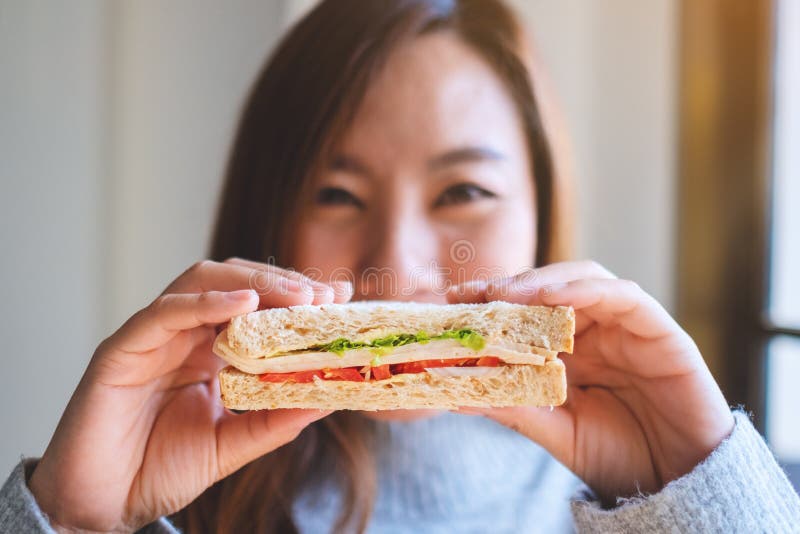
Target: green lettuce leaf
point(384, 345)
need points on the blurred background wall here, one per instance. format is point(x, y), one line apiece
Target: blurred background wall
point(116, 118)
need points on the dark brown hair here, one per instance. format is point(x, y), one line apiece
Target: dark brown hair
point(300, 104)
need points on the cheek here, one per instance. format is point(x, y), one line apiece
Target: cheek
point(324, 249)
point(501, 246)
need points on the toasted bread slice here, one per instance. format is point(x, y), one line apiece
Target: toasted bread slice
point(512, 385)
point(266, 333)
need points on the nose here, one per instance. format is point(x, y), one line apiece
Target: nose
point(401, 262)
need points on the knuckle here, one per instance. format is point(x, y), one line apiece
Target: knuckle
point(204, 298)
point(232, 259)
point(528, 274)
point(199, 266)
point(103, 347)
point(161, 302)
point(596, 267)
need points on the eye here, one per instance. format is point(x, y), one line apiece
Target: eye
point(462, 194)
point(336, 196)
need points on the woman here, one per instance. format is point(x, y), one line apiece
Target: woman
point(380, 135)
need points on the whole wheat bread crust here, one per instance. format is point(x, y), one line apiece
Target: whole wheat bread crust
point(516, 385)
point(276, 331)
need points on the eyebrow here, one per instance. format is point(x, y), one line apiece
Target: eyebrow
point(467, 154)
point(351, 164)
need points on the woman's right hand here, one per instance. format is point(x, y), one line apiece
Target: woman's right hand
point(144, 433)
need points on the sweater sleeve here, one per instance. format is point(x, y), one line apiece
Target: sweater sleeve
point(19, 511)
point(738, 488)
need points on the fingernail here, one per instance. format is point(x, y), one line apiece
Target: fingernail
point(342, 287)
point(264, 282)
point(510, 290)
point(290, 285)
point(241, 295)
point(549, 289)
point(473, 286)
point(504, 282)
point(498, 287)
point(322, 291)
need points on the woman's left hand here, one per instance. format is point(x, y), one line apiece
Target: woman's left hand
point(642, 407)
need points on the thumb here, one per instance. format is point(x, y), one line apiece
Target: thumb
point(243, 438)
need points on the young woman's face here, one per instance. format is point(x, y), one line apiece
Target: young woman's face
point(430, 186)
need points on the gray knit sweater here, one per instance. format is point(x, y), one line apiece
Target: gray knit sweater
point(467, 474)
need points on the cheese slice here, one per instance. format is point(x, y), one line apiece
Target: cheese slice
point(512, 353)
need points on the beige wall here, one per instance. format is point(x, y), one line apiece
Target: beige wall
point(53, 144)
point(613, 65)
point(180, 75)
point(115, 119)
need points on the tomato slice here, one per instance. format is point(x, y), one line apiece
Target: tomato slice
point(381, 372)
point(347, 373)
point(421, 365)
point(299, 377)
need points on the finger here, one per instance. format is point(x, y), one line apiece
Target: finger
point(188, 350)
point(607, 302)
point(343, 289)
point(274, 290)
point(524, 287)
point(597, 360)
point(170, 314)
point(615, 357)
point(243, 438)
point(323, 293)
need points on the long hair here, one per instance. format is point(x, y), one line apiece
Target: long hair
point(302, 101)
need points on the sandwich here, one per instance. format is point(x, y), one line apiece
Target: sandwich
point(378, 355)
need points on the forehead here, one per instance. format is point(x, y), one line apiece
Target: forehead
point(433, 93)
